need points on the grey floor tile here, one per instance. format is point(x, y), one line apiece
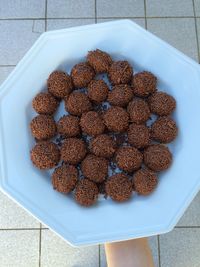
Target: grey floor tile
point(17, 37)
point(4, 72)
point(197, 7)
point(179, 32)
point(22, 9)
point(118, 8)
point(19, 248)
point(154, 247)
point(171, 8)
point(13, 216)
point(198, 32)
point(139, 21)
point(55, 24)
point(180, 248)
point(192, 214)
point(70, 8)
point(56, 252)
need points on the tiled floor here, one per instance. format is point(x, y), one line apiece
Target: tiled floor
point(24, 241)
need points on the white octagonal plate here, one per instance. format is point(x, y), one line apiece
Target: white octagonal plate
point(107, 221)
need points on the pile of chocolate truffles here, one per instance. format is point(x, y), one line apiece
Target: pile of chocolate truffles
point(107, 142)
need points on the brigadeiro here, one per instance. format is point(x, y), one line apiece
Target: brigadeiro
point(91, 123)
point(43, 127)
point(73, 150)
point(120, 72)
point(45, 103)
point(129, 158)
point(164, 130)
point(144, 84)
point(86, 192)
point(116, 119)
point(68, 126)
point(120, 95)
point(103, 146)
point(45, 155)
point(95, 168)
point(119, 187)
point(82, 73)
point(97, 91)
point(77, 103)
point(145, 181)
point(138, 110)
point(99, 60)
point(64, 178)
point(59, 84)
point(138, 135)
point(161, 103)
point(157, 157)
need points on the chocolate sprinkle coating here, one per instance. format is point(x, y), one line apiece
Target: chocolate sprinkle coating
point(82, 73)
point(97, 91)
point(120, 95)
point(157, 157)
point(45, 103)
point(120, 72)
point(119, 187)
point(99, 60)
point(103, 146)
point(164, 130)
point(144, 84)
point(91, 123)
point(64, 178)
point(138, 110)
point(59, 84)
point(138, 135)
point(73, 150)
point(43, 127)
point(86, 192)
point(45, 155)
point(77, 103)
point(68, 126)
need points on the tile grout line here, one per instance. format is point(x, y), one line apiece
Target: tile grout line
point(21, 229)
point(187, 227)
point(159, 257)
point(45, 15)
point(95, 10)
point(196, 30)
point(145, 13)
point(40, 237)
point(1, 66)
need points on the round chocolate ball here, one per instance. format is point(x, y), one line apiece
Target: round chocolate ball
point(77, 103)
point(91, 123)
point(116, 119)
point(157, 157)
point(129, 158)
point(86, 192)
point(97, 91)
point(45, 103)
point(45, 155)
point(119, 187)
point(59, 84)
point(138, 110)
point(103, 146)
point(82, 73)
point(161, 103)
point(138, 135)
point(164, 130)
point(64, 178)
point(120, 95)
point(120, 72)
point(73, 150)
point(43, 127)
point(99, 60)
point(144, 84)
point(68, 126)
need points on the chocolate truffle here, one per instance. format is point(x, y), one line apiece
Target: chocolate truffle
point(64, 178)
point(120, 72)
point(129, 158)
point(138, 135)
point(161, 103)
point(82, 73)
point(68, 126)
point(77, 103)
point(97, 91)
point(103, 146)
point(91, 123)
point(145, 181)
point(94, 168)
point(99, 60)
point(116, 119)
point(164, 130)
point(144, 84)
point(45, 103)
point(45, 155)
point(73, 150)
point(86, 192)
point(138, 110)
point(120, 95)
point(43, 127)
point(119, 187)
point(59, 84)
point(157, 157)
